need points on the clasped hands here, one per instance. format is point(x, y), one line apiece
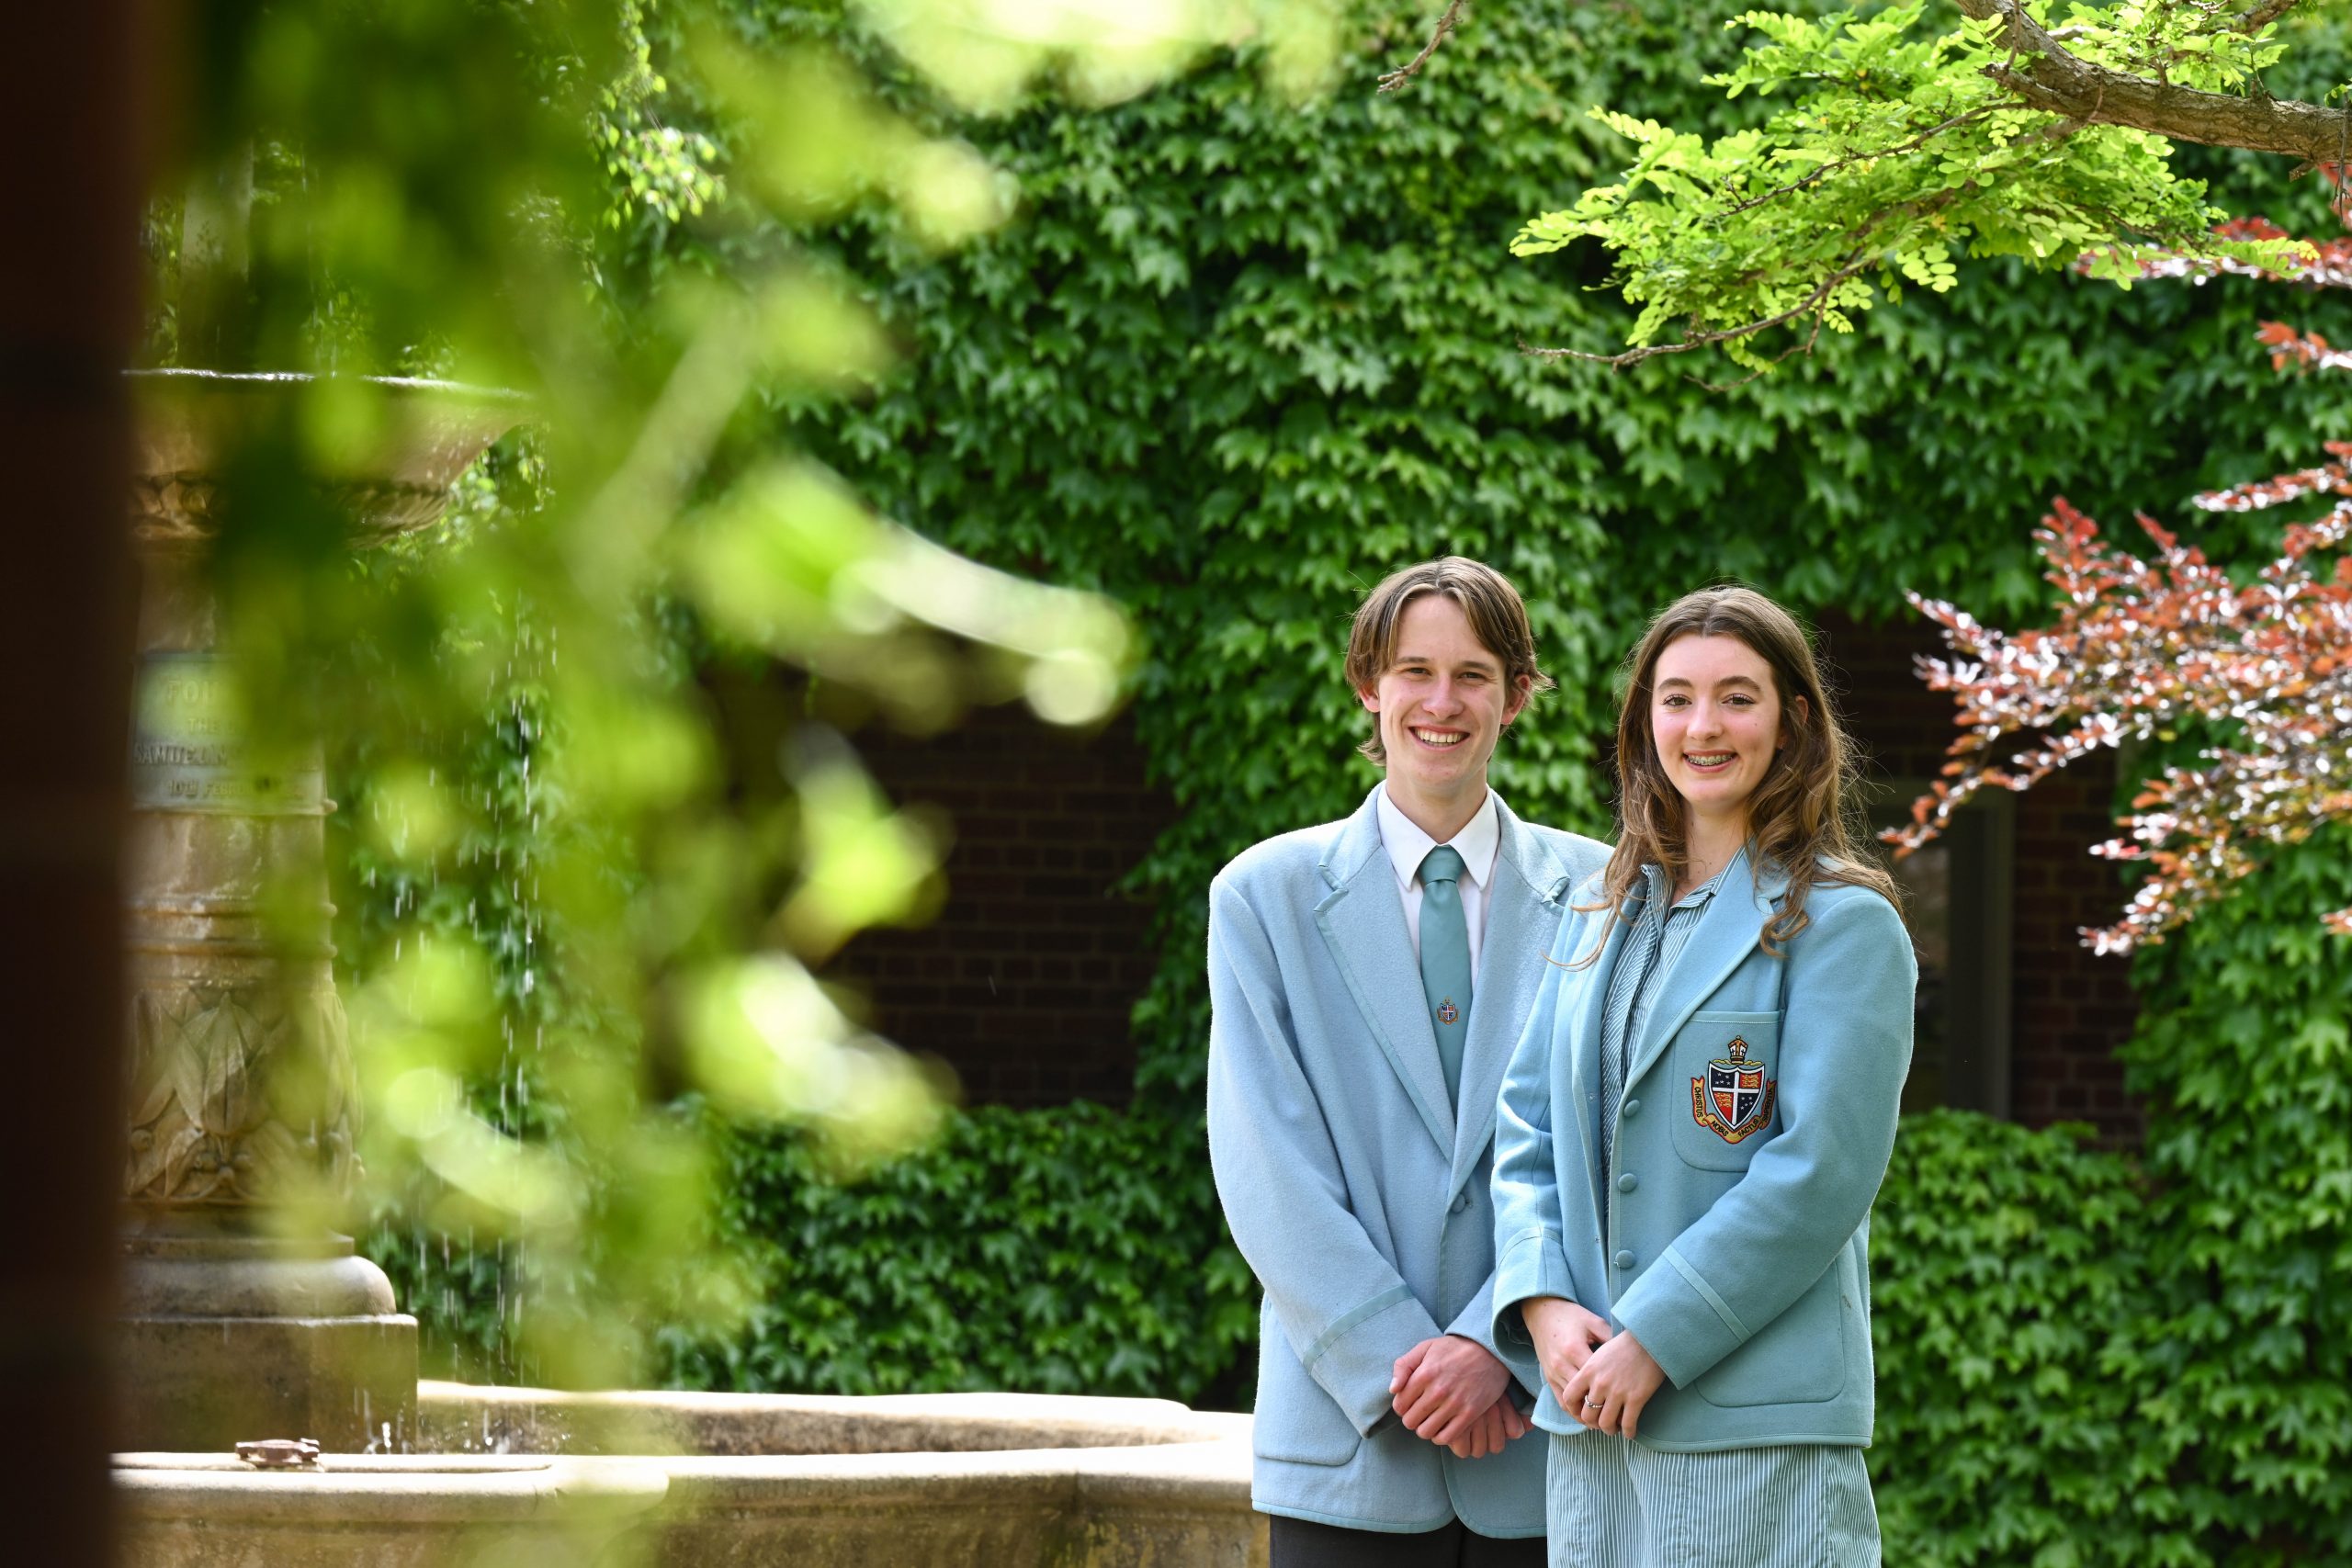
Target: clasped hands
point(1603, 1379)
point(1454, 1393)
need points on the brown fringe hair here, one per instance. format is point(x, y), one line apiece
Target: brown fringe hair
point(1805, 815)
point(1497, 615)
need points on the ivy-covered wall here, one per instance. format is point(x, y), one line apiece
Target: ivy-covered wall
point(1232, 361)
point(2087, 1358)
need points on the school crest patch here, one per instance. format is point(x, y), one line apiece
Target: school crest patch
point(1447, 1012)
point(1733, 1099)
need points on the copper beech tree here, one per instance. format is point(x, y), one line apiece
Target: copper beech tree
point(2147, 648)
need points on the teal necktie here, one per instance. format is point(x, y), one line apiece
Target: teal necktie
point(1445, 959)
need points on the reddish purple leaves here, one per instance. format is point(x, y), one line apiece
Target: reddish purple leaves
point(2148, 650)
point(2145, 648)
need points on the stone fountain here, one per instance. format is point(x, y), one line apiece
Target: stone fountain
point(241, 1324)
point(235, 1325)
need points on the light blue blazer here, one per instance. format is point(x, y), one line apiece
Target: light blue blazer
point(1736, 1249)
point(1353, 1185)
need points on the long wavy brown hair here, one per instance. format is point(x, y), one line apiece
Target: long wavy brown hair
point(1804, 816)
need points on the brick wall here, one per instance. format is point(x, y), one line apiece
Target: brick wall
point(1024, 980)
point(2070, 1009)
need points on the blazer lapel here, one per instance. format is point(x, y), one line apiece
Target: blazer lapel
point(1727, 931)
point(1584, 1039)
point(1362, 922)
point(1523, 909)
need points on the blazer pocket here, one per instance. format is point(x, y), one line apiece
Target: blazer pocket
point(1799, 1357)
point(1725, 1087)
point(1297, 1421)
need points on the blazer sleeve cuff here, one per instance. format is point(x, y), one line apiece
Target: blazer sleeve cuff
point(1355, 1358)
point(1532, 1264)
point(1476, 1322)
point(1680, 1319)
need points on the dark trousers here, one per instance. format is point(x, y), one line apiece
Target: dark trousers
point(1299, 1544)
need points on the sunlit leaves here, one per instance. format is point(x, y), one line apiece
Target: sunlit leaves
point(2202, 46)
point(624, 752)
point(815, 140)
point(664, 169)
point(428, 1026)
point(986, 54)
point(408, 816)
point(1896, 155)
point(764, 563)
point(792, 562)
point(768, 1044)
point(862, 862)
point(478, 192)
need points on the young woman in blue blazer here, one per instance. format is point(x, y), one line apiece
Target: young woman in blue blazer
point(1697, 1120)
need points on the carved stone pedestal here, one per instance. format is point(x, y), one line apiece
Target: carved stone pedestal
point(229, 1332)
point(243, 1318)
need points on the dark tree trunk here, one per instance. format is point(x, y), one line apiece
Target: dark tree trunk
point(72, 120)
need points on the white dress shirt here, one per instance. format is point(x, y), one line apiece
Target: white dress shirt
point(1476, 844)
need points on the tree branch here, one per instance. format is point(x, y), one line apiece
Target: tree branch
point(2051, 78)
point(2263, 15)
point(1396, 79)
point(1914, 144)
point(1812, 302)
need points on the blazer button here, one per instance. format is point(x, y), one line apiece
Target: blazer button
point(1461, 1202)
point(1625, 1260)
point(1631, 1109)
point(1628, 1181)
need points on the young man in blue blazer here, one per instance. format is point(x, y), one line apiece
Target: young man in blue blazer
point(1370, 978)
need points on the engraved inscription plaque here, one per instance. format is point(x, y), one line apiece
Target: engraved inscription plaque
point(186, 753)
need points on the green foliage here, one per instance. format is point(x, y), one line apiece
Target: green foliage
point(1231, 360)
point(1054, 1252)
point(1060, 1253)
point(2086, 1359)
point(563, 918)
point(663, 171)
point(2243, 1381)
point(1928, 164)
point(1897, 155)
point(2008, 1271)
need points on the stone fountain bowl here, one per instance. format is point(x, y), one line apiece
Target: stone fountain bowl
point(914, 1481)
point(385, 449)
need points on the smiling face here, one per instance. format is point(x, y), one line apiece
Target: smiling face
point(1443, 703)
point(1716, 721)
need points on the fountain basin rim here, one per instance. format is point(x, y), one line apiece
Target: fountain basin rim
point(334, 1464)
point(391, 472)
point(460, 1417)
point(260, 381)
point(1213, 1474)
point(437, 1490)
point(219, 1489)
